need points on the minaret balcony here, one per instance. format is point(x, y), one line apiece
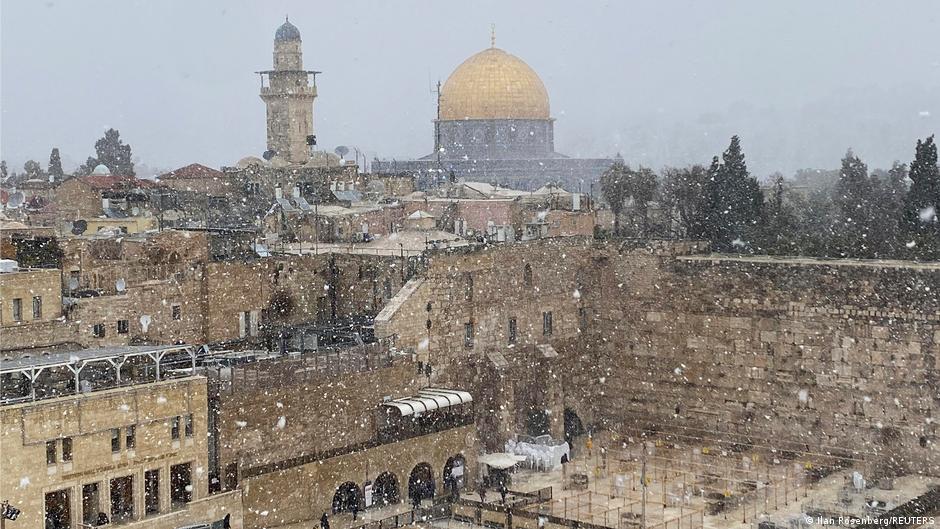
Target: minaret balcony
point(309, 91)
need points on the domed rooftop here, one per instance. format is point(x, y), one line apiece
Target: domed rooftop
point(101, 170)
point(494, 84)
point(287, 32)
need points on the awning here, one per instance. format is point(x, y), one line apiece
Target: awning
point(500, 460)
point(428, 400)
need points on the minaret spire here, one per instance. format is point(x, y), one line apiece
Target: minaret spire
point(492, 35)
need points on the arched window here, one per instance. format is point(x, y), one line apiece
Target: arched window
point(527, 275)
point(468, 294)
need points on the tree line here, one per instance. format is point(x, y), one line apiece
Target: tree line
point(851, 212)
point(110, 151)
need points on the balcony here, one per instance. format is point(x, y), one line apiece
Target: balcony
point(309, 91)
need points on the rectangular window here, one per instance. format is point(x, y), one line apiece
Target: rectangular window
point(17, 309)
point(90, 504)
point(98, 330)
point(512, 330)
point(50, 452)
point(189, 425)
point(115, 440)
point(152, 491)
point(67, 449)
point(547, 323)
point(130, 439)
point(175, 428)
point(37, 307)
point(177, 312)
point(244, 324)
point(181, 484)
point(122, 499)
point(122, 327)
point(468, 334)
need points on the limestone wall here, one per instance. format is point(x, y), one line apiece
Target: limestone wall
point(830, 356)
point(836, 356)
point(305, 492)
point(291, 416)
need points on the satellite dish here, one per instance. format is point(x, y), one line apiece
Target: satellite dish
point(79, 227)
point(268, 154)
point(120, 285)
point(341, 151)
point(16, 199)
point(135, 211)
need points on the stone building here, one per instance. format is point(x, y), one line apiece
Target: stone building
point(31, 308)
point(135, 456)
point(494, 124)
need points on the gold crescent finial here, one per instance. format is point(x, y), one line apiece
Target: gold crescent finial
point(492, 35)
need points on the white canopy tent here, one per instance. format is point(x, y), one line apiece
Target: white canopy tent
point(500, 460)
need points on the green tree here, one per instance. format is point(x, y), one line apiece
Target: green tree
point(735, 202)
point(854, 198)
point(684, 198)
point(615, 189)
point(112, 153)
point(55, 164)
point(3, 170)
point(889, 189)
point(641, 186)
point(32, 169)
point(919, 220)
point(779, 229)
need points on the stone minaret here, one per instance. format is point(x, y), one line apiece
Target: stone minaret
point(289, 98)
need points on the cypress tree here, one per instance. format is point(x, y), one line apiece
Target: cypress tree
point(55, 164)
point(737, 203)
point(853, 198)
point(919, 220)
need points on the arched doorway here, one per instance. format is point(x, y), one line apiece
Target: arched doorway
point(346, 497)
point(573, 426)
point(421, 482)
point(454, 474)
point(385, 490)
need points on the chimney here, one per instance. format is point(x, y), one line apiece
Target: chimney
point(105, 203)
point(278, 193)
point(296, 193)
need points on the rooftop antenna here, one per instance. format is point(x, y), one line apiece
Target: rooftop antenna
point(493, 35)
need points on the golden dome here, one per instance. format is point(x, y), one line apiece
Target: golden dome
point(494, 85)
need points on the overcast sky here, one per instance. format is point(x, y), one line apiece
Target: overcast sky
point(663, 83)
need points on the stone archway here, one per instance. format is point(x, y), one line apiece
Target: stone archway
point(454, 475)
point(421, 482)
point(385, 490)
point(348, 497)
